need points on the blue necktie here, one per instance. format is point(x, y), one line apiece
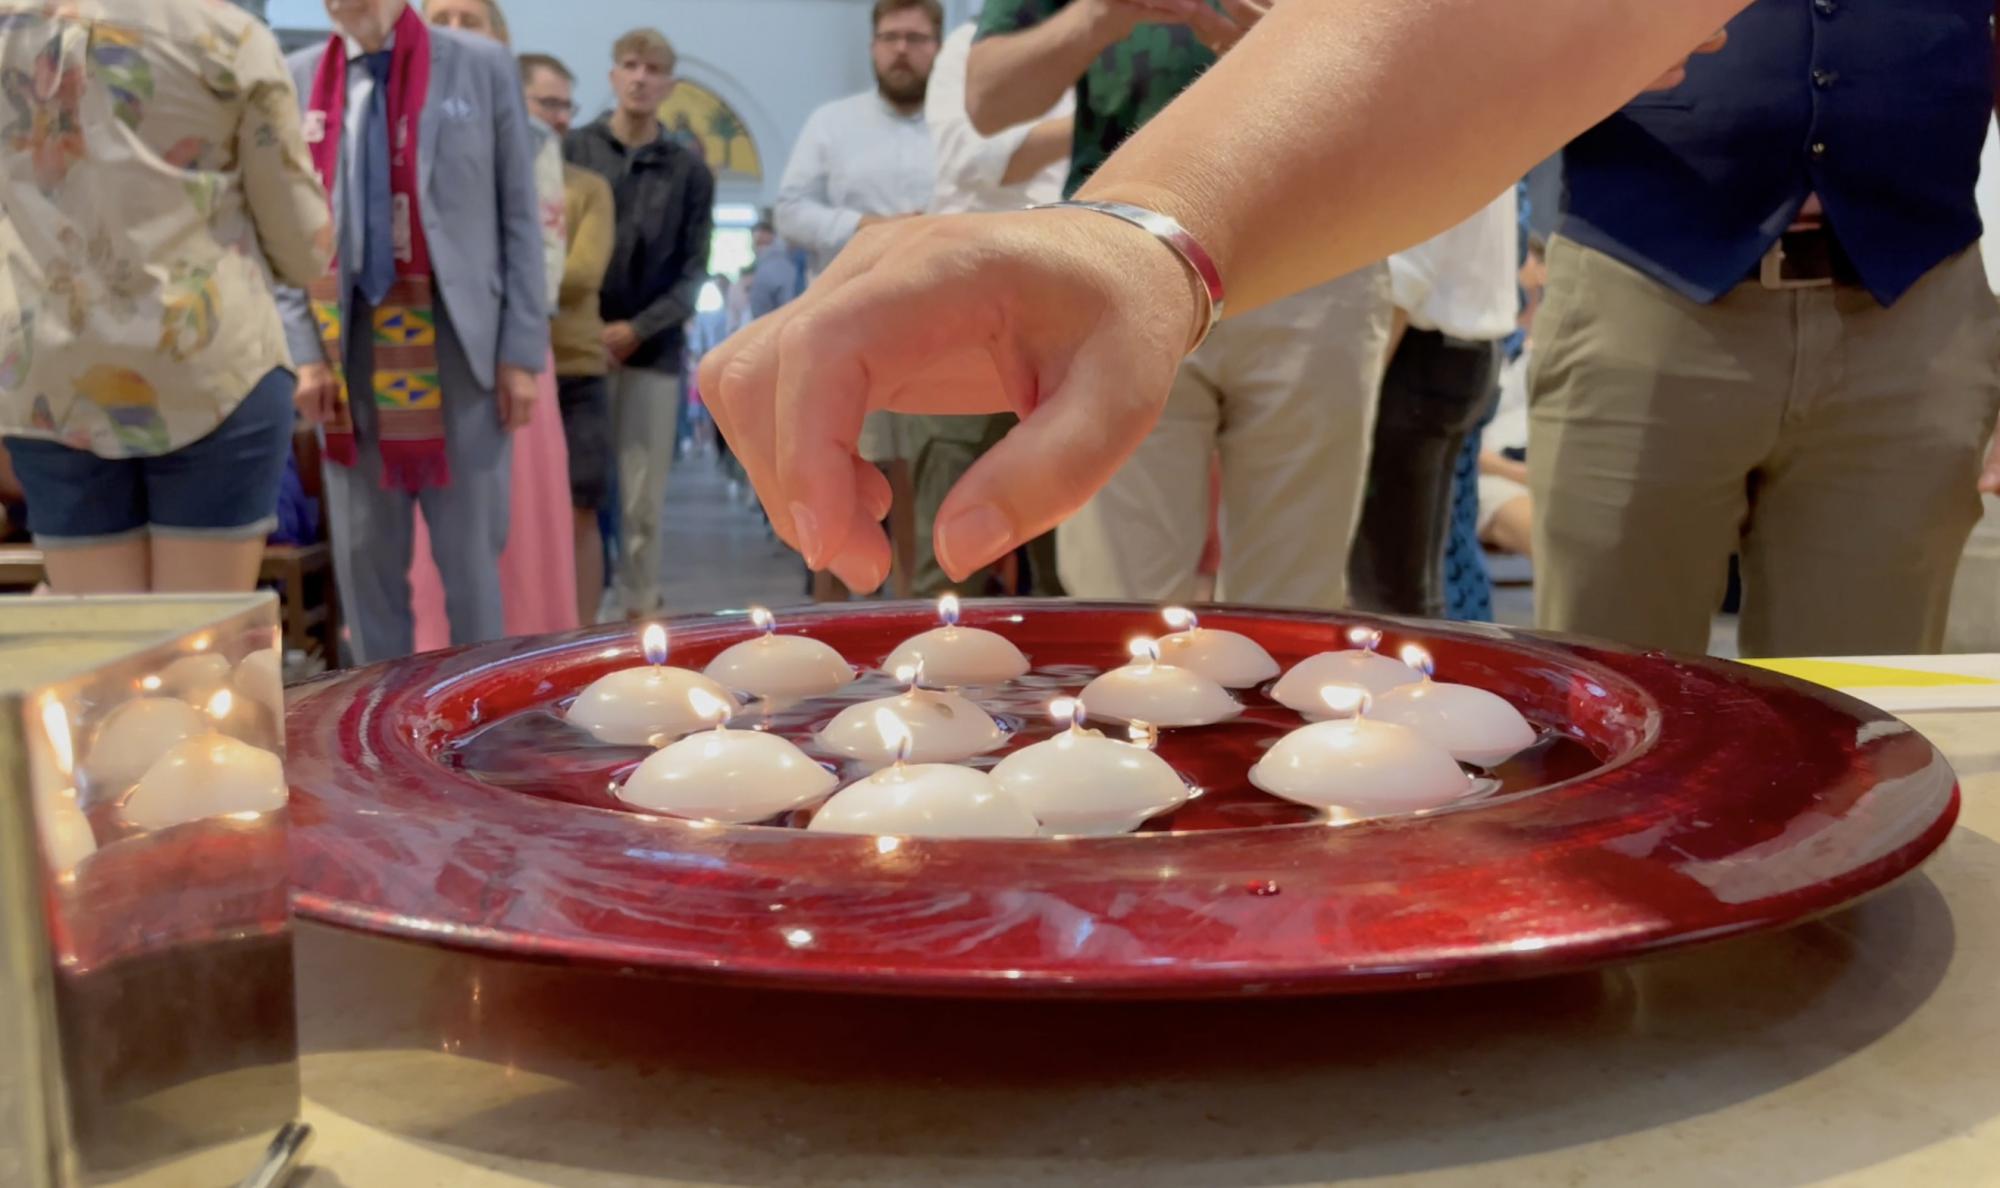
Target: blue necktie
point(378, 251)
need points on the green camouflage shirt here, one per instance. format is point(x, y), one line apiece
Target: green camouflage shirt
point(1129, 83)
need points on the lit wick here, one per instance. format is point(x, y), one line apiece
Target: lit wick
point(1070, 710)
point(1366, 638)
point(219, 705)
point(653, 644)
point(1347, 701)
point(711, 708)
point(1181, 618)
point(1146, 649)
point(1419, 659)
point(913, 676)
point(896, 737)
point(763, 620)
point(948, 610)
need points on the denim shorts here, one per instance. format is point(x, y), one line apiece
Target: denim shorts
point(223, 486)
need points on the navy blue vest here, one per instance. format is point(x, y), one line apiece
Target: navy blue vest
point(1878, 106)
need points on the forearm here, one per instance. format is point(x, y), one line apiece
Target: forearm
point(1016, 77)
point(1047, 143)
point(1391, 130)
point(302, 338)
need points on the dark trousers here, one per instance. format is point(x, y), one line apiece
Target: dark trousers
point(1436, 391)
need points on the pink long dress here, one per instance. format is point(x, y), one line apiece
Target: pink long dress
point(538, 570)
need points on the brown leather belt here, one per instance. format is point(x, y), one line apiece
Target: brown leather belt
point(1808, 259)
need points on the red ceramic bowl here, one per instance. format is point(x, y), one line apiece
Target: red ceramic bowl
point(1710, 800)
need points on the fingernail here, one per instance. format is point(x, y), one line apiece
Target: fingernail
point(805, 527)
point(861, 581)
point(972, 538)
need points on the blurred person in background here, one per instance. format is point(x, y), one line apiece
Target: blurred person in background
point(537, 564)
point(589, 226)
point(1768, 332)
point(664, 196)
point(775, 277)
point(1457, 299)
point(1022, 166)
point(1285, 395)
point(860, 162)
point(145, 383)
point(420, 348)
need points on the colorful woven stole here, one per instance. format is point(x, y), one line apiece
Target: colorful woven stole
point(409, 402)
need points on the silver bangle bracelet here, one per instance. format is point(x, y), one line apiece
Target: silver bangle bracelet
point(1168, 231)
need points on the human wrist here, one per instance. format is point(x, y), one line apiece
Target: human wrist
point(1179, 261)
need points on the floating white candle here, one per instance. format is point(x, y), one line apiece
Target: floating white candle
point(132, 738)
point(260, 677)
point(1476, 726)
point(648, 705)
point(922, 800)
point(1301, 689)
point(212, 775)
point(944, 727)
point(1162, 694)
point(953, 656)
point(726, 775)
point(1229, 659)
point(779, 666)
point(195, 678)
point(1359, 767)
point(1082, 783)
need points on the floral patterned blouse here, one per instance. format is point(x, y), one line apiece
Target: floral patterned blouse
point(152, 174)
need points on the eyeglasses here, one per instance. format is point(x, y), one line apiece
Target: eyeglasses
point(549, 105)
point(907, 40)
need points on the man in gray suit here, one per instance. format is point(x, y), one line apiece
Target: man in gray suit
point(477, 209)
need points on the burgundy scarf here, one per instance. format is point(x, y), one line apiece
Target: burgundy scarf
point(409, 403)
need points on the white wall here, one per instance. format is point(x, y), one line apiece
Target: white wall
point(773, 60)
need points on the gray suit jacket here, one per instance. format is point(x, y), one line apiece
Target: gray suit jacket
point(481, 216)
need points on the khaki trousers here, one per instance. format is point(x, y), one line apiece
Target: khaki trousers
point(645, 416)
point(1286, 395)
point(1834, 443)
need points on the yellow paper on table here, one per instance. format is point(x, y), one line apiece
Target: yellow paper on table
point(1900, 684)
point(1845, 674)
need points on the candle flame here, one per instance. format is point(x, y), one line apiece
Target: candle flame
point(1346, 701)
point(1365, 638)
point(1418, 658)
point(202, 642)
point(763, 620)
point(1144, 648)
point(219, 705)
point(55, 725)
point(895, 734)
point(1067, 711)
point(151, 683)
point(710, 708)
point(653, 642)
point(1180, 618)
point(888, 845)
point(948, 610)
point(911, 674)
point(1143, 734)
